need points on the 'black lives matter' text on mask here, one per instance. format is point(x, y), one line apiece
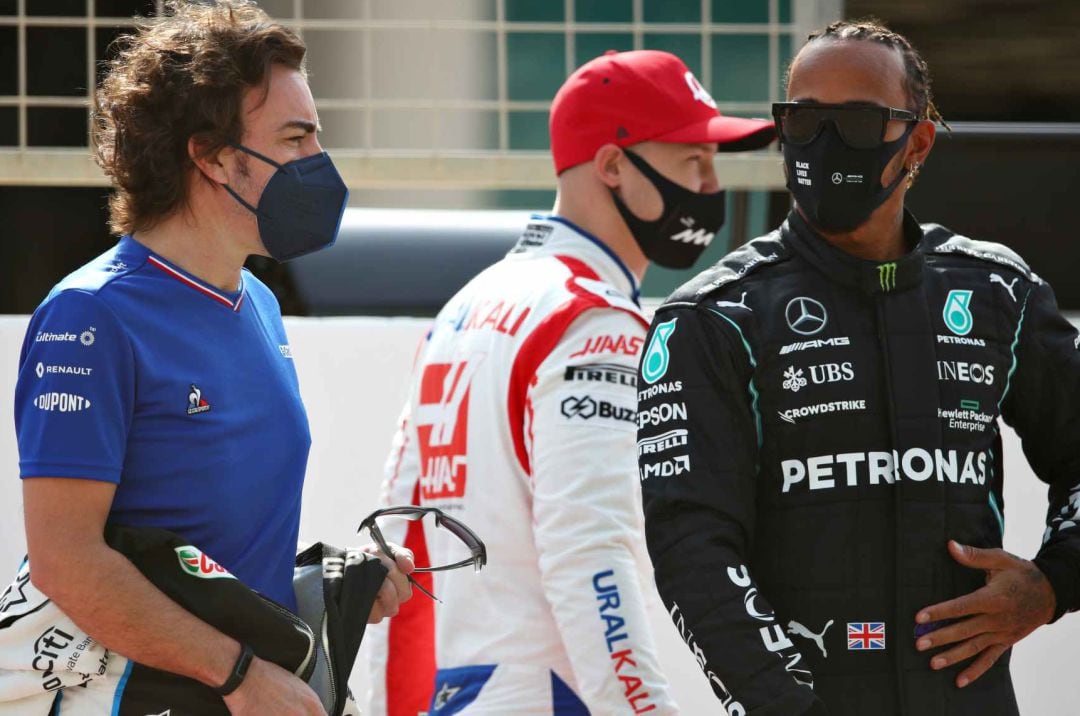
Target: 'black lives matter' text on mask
point(838, 187)
point(685, 228)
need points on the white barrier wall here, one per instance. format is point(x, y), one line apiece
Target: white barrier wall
point(353, 375)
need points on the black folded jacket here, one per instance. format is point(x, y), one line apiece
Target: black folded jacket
point(335, 589)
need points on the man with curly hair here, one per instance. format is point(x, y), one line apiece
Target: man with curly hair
point(156, 386)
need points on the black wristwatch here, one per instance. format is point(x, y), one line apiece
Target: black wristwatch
point(239, 671)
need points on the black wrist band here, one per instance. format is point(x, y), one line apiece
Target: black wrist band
point(239, 671)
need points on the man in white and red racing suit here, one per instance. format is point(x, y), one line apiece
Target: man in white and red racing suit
point(522, 423)
point(522, 420)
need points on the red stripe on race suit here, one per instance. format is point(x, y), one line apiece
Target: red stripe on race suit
point(539, 345)
point(410, 661)
point(578, 269)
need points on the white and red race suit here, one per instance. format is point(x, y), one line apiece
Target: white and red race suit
point(522, 423)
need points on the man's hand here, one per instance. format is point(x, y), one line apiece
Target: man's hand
point(395, 589)
point(1016, 600)
point(269, 690)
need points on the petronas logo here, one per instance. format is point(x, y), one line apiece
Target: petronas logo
point(655, 363)
point(957, 312)
point(887, 276)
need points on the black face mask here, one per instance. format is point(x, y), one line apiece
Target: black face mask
point(685, 228)
point(838, 187)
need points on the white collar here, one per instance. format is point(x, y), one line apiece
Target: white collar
point(556, 235)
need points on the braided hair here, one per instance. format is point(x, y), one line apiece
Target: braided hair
point(917, 80)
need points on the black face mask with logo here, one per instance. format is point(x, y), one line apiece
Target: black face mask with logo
point(838, 187)
point(685, 228)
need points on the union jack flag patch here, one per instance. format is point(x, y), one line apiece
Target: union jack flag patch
point(862, 636)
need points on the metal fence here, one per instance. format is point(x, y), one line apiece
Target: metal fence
point(413, 94)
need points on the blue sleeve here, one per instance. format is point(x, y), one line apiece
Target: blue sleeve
point(75, 394)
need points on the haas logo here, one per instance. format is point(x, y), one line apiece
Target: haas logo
point(442, 423)
point(699, 92)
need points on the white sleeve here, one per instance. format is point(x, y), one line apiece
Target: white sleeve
point(392, 643)
point(587, 513)
point(402, 470)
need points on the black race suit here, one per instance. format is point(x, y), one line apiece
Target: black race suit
point(814, 427)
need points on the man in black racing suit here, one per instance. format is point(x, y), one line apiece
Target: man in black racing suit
point(820, 431)
point(814, 428)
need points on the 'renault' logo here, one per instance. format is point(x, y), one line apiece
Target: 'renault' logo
point(196, 403)
point(195, 562)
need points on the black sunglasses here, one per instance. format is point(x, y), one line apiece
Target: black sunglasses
point(477, 550)
point(860, 126)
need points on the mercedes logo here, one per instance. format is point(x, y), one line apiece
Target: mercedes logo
point(805, 316)
point(837, 177)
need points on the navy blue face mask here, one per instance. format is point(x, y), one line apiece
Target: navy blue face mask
point(301, 207)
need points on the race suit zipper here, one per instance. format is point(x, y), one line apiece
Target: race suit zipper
point(332, 677)
point(883, 343)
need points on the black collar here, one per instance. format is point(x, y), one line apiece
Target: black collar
point(869, 277)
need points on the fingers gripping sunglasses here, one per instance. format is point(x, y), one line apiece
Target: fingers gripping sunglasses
point(477, 550)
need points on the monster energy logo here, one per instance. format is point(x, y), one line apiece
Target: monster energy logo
point(887, 276)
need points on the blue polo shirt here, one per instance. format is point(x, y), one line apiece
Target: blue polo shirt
point(137, 373)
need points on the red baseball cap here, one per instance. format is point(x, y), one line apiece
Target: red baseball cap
point(646, 95)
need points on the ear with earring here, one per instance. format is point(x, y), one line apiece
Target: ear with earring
point(912, 173)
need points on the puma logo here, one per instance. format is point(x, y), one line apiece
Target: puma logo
point(798, 629)
point(732, 304)
point(994, 278)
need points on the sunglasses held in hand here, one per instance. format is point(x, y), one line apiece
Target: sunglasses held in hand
point(458, 529)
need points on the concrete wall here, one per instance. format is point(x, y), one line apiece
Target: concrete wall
point(353, 373)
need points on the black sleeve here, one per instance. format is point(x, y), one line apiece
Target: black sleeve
point(1043, 406)
point(697, 458)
